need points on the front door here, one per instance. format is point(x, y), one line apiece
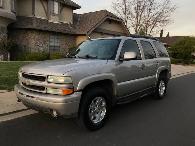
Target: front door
point(129, 74)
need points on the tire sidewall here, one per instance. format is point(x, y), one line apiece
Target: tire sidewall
point(157, 88)
point(85, 103)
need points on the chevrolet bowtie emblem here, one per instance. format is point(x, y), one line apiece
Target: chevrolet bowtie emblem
point(27, 82)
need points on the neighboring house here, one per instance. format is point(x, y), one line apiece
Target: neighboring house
point(51, 25)
point(7, 16)
point(171, 40)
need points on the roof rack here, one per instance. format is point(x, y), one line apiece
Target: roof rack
point(145, 37)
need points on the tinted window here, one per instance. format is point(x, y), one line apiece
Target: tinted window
point(148, 50)
point(105, 49)
point(131, 46)
point(161, 49)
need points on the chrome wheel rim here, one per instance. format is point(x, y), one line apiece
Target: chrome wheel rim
point(162, 88)
point(97, 110)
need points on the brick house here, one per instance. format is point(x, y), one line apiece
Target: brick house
point(7, 16)
point(52, 25)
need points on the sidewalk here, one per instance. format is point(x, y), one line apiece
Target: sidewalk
point(9, 104)
point(180, 70)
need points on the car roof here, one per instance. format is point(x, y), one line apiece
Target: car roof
point(130, 37)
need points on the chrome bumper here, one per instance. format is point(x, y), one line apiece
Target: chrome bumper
point(63, 105)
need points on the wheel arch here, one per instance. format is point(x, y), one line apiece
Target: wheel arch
point(163, 71)
point(98, 80)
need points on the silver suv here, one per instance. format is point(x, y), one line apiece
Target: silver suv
point(100, 74)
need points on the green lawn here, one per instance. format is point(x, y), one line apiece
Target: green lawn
point(9, 74)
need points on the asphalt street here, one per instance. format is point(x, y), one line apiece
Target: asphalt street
point(146, 122)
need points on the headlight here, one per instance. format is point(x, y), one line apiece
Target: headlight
point(60, 91)
point(59, 80)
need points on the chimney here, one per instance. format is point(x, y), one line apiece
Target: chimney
point(168, 35)
point(161, 33)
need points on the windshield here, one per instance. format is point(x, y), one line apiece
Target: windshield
point(104, 49)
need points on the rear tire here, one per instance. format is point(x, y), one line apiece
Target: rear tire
point(94, 109)
point(161, 88)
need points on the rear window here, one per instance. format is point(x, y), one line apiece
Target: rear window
point(161, 49)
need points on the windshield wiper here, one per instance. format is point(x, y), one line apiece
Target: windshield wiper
point(87, 57)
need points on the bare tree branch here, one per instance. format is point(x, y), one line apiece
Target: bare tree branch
point(148, 16)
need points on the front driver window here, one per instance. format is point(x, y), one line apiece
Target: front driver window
point(131, 46)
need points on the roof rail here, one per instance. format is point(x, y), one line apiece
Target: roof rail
point(145, 37)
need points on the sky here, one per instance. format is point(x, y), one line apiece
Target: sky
point(183, 19)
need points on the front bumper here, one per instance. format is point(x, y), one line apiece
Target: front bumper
point(63, 105)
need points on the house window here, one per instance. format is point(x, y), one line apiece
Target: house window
point(54, 43)
point(13, 6)
point(56, 8)
point(1, 3)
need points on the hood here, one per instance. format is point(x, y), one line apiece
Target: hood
point(61, 66)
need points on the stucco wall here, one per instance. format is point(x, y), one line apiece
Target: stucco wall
point(112, 25)
point(80, 39)
point(24, 7)
point(39, 9)
point(66, 15)
point(7, 5)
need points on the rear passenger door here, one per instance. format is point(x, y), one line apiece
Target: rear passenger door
point(150, 63)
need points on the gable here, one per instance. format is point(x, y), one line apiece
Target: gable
point(111, 25)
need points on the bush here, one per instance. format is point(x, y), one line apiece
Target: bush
point(184, 49)
point(33, 56)
point(56, 56)
point(181, 61)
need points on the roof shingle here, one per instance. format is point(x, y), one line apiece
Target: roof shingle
point(70, 3)
point(83, 23)
point(87, 21)
point(42, 24)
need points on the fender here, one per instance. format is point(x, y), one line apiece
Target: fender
point(98, 77)
point(160, 69)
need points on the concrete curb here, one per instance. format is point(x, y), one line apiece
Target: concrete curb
point(182, 74)
point(3, 91)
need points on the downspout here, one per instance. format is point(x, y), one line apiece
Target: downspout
point(33, 8)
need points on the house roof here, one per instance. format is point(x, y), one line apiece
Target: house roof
point(83, 23)
point(87, 22)
point(70, 3)
point(171, 40)
point(41, 24)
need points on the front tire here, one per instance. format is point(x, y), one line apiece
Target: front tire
point(94, 109)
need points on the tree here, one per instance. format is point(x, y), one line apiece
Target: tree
point(147, 15)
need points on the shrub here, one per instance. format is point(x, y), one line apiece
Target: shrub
point(35, 56)
point(183, 49)
point(56, 56)
point(181, 61)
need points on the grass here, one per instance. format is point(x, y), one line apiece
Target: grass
point(9, 74)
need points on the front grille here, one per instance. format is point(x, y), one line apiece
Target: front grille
point(34, 77)
point(33, 87)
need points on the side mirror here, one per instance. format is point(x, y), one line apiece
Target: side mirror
point(129, 56)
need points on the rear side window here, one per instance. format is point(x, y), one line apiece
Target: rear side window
point(161, 49)
point(131, 46)
point(148, 50)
